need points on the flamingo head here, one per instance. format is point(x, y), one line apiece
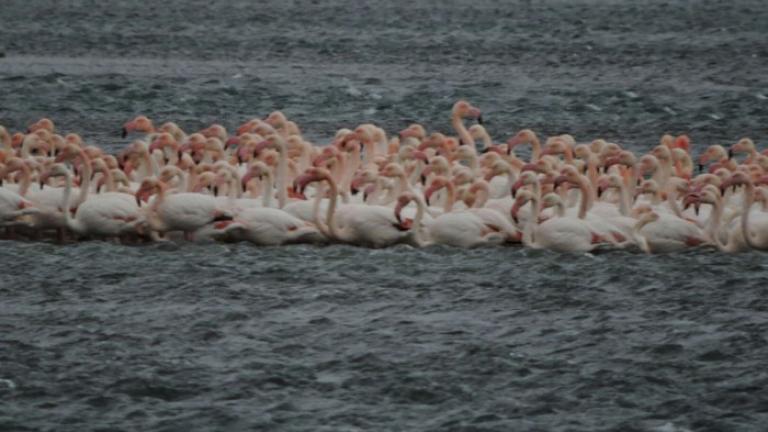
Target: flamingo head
point(662, 153)
point(554, 146)
point(69, 152)
point(258, 170)
point(414, 130)
point(392, 170)
point(402, 201)
point(606, 182)
point(215, 131)
point(276, 119)
point(551, 200)
point(526, 178)
point(520, 200)
point(419, 156)
point(692, 199)
point(762, 181)
point(525, 136)
point(647, 217)
point(682, 142)
point(498, 167)
point(648, 164)
point(16, 139)
point(43, 123)
point(246, 127)
point(311, 175)
point(559, 180)
point(55, 170)
point(623, 157)
point(161, 141)
point(14, 164)
point(326, 155)
point(736, 179)
point(464, 109)
point(363, 177)
point(713, 152)
point(437, 184)
point(148, 187)
point(744, 145)
point(139, 124)
point(706, 179)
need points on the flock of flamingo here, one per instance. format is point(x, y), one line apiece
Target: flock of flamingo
point(266, 184)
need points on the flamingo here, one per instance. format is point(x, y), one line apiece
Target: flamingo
point(364, 225)
point(184, 211)
point(110, 214)
point(754, 232)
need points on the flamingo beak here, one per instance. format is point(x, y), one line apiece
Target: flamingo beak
point(518, 184)
point(420, 155)
point(124, 132)
point(428, 193)
point(261, 146)
point(355, 185)
point(398, 209)
point(300, 183)
point(513, 213)
point(480, 119)
point(730, 154)
point(560, 180)
point(246, 178)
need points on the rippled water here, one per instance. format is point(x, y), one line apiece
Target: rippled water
point(231, 337)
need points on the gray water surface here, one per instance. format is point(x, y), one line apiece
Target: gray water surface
point(96, 336)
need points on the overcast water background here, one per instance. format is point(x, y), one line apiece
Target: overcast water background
point(96, 336)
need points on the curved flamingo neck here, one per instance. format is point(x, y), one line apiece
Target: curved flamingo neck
point(7, 142)
point(85, 183)
point(266, 193)
point(26, 179)
point(461, 130)
point(282, 174)
point(672, 203)
point(109, 179)
point(530, 227)
point(624, 202)
point(331, 221)
point(568, 155)
point(152, 211)
point(65, 205)
point(748, 200)
point(370, 151)
point(638, 237)
point(713, 225)
point(482, 197)
point(450, 199)
point(351, 167)
point(417, 221)
point(511, 179)
point(592, 173)
point(535, 148)
point(152, 165)
point(585, 198)
point(487, 142)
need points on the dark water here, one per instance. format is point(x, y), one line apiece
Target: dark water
point(95, 336)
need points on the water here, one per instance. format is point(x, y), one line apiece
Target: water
point(95, 336)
